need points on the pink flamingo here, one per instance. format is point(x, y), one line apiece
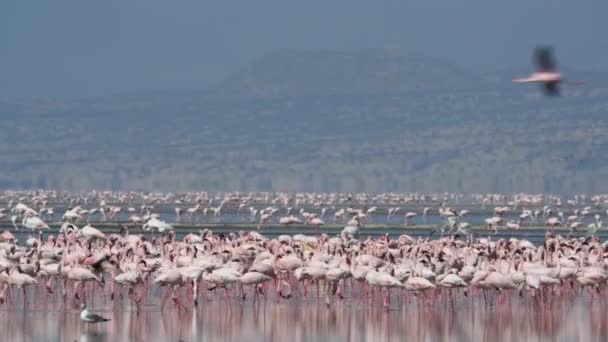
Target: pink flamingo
point(408, 216)
point(553, 222)
point(20, 280)
point(315, 221)
point(546, 72)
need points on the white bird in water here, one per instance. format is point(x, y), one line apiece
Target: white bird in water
point(89, 317)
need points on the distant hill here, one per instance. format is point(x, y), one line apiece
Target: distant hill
point(296, 73)
point(367, 120)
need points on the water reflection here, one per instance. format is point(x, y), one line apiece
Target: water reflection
point(469, 319)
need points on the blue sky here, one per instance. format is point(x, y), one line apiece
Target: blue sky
point(87, 47)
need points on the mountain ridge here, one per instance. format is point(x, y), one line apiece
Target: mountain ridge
point(400, 134)
point(326, 73)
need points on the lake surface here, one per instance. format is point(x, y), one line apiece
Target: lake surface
point(230, 214)
point(570, 318)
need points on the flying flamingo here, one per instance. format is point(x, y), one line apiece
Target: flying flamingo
point(546, 72)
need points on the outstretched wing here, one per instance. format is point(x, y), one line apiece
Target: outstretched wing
point(551, 88)
point(544, 60)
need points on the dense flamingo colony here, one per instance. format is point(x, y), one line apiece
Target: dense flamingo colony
point(76, 259)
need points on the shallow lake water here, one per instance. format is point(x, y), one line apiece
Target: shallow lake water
point(472, 318)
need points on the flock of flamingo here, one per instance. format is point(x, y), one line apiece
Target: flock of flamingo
point(75, 262)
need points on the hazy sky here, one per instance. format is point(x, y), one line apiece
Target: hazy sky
point(99, 47)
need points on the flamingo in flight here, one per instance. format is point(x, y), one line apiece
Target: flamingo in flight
point(546, 72)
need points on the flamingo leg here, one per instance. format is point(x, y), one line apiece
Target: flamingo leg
point(49, 285)
point(195, 292)
point(387, 298)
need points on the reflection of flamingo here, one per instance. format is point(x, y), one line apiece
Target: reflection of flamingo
point(546, 71)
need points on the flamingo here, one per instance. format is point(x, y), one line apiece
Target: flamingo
point(391, 212)
point(493, 223)
point(171, 278)
point(553, 222)
point(80, 275)
point(418, 284)
point(287, 220)
point(255, 279)
point(34, 223)
point(408, 216)
point(178, 214)
point(72, 215)
point(546, 72)
point(452, 280)
point(89, 232)
point(513, 225)
point(20, 280)
point(315, 221)
point(14, 219)
point(592, 228)
point(351, 230)
point(221, 277)
point(383, 280)
point(155, 223)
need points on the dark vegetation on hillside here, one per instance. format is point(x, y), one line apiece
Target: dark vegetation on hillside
point(368, 120)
